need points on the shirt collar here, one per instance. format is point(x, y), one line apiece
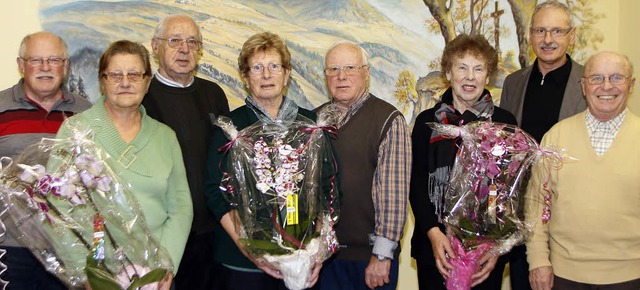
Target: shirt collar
point(358, 103)
point(614, 123)
point(351, 110)
point(171, 83)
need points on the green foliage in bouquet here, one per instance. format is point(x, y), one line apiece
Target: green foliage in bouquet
point(99, 277)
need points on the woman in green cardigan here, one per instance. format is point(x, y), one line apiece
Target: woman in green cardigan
point(143, 152)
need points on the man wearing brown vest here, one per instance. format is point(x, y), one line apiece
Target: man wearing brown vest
point(373, 150)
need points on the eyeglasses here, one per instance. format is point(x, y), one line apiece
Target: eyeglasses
point(614, 79)
point(177, 42)
point(133, 77)
point(348, 69)
point(274, 68)
point(555, 32)
point(38, 61)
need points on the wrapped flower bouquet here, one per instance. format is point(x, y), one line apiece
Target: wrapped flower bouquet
point(280, 180)
point(484, 202)
point(64, 203)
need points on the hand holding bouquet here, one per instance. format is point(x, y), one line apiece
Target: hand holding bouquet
point(280, 180)
point(484, 203)
point(66, 205)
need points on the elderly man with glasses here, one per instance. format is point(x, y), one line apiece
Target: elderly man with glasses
point(543, 93)
point(187, 104)
point(591, 240)
point(373, 149)
point(30, 110)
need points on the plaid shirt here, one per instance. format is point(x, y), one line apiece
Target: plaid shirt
point(602, 134)
point(390, 190)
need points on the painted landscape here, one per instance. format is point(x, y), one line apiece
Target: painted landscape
point(402, 37)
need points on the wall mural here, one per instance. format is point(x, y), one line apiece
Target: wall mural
point(403, 37)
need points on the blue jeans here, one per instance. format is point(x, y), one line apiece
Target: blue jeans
point(25, 272)
point(349, 275)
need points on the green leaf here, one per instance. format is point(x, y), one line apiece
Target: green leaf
point(264, 246)
point(100, 279)
point(151, 277)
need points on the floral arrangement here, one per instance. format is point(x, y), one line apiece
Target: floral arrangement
point(484, 205)
point(280, 180)
point(78, 219)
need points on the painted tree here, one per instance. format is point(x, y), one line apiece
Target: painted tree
point(81, 88)
point(406, 93)
point(452, 17)
point(587, 36)
point(522, 11)
point(72, 83)
point(441, 10)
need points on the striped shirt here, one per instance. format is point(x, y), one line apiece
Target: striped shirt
point(602, 134)
point(24, 122)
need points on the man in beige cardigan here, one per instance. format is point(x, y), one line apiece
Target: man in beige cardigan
point(591, 240)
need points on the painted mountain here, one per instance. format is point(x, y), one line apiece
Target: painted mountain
point(308, 27)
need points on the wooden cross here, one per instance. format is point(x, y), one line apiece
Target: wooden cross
point(496, 23)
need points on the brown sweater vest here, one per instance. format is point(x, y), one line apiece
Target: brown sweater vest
point(357, 154)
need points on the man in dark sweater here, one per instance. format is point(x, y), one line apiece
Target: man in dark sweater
point(187, 104)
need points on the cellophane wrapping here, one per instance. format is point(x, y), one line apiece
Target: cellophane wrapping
point(72, 211)
point(280, 179)
point(484, 201)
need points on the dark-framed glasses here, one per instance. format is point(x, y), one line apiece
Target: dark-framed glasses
point(177, 42)
point(555, 32)
point(274, 68)
point(38, 61)
point(614, 79)
point(116, 77)
point(349, 69)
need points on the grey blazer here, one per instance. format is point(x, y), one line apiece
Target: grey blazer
point(515, 87)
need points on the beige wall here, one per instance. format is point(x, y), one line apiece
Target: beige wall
point(627, 23)
point(619, 27)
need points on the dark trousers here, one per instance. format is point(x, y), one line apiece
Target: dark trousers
point(519, 268)
point(231, 279)
point(349, 275)
point(429, 278)
point(25, 272)
point(564, 284)
point(198, 270)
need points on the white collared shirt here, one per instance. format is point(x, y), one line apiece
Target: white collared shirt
point(171, 83)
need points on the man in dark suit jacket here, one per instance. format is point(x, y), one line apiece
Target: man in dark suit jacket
point(549, 90)
point(543, 93)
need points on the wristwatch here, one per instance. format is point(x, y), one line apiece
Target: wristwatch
point(382, 258)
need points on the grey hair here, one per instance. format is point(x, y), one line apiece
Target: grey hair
point(159, 31)
point(25, 40)
point(365, 55)
point(552, 4)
